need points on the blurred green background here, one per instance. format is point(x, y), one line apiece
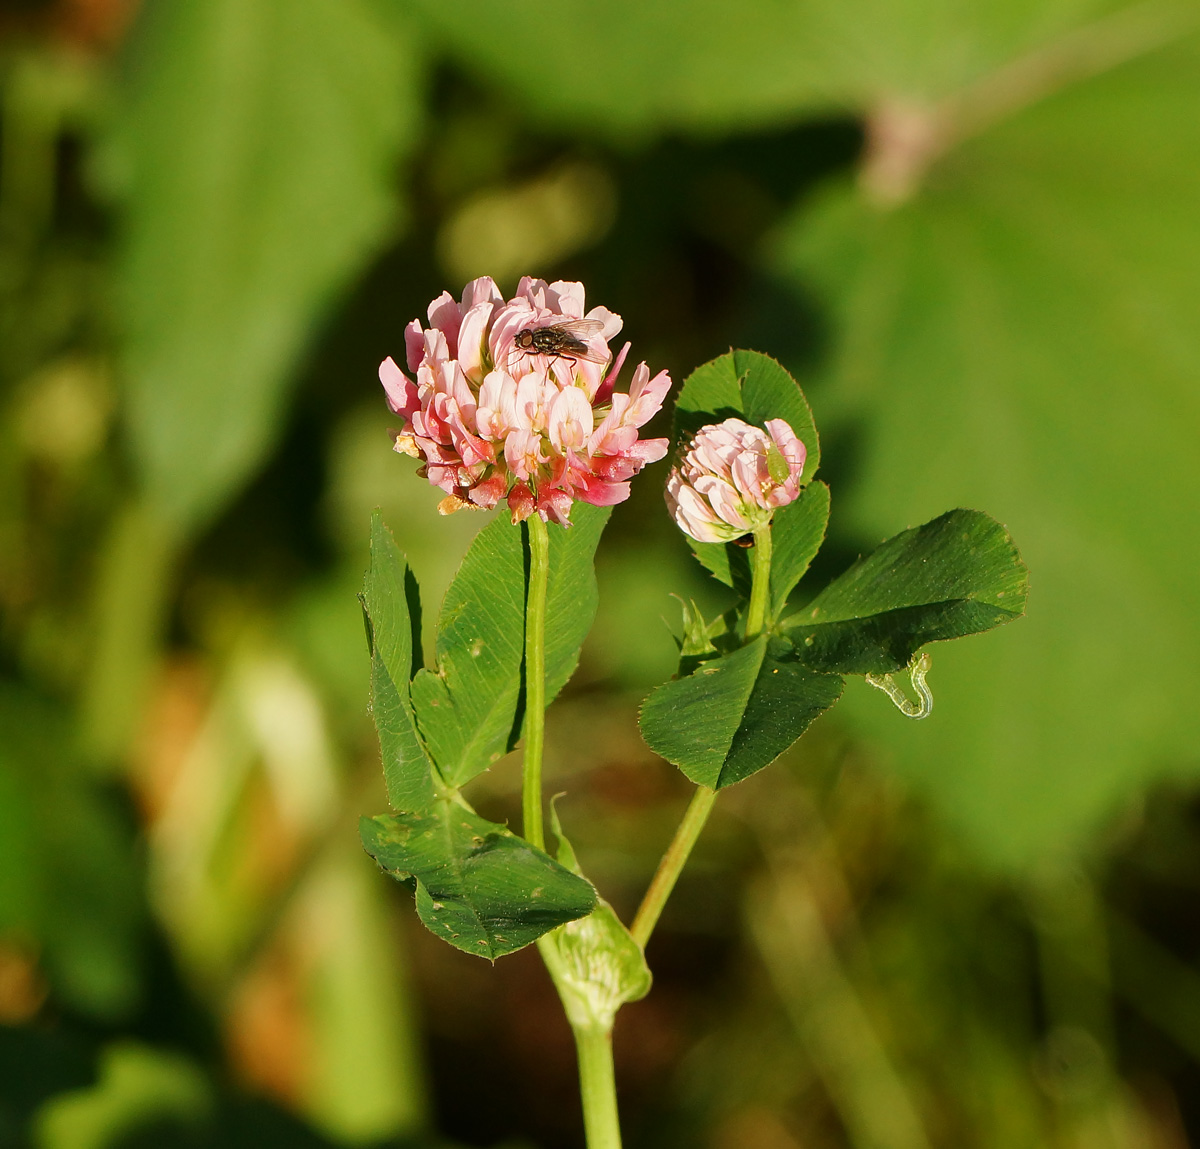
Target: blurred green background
point(972, 230)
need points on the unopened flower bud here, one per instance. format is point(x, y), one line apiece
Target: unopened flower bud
point(733, 478)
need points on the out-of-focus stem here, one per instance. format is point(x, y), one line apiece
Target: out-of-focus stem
point(131, 596)
point(703, 800)
point(535, 681)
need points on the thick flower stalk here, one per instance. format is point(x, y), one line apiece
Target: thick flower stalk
point(733, 478)
point(515, 400)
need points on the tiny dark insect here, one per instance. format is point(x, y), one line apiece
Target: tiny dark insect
point(561, 339)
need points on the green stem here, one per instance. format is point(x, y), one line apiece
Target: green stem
point(672, 864)
point(535, 681)
point(598, 1087)
point(760, 584)
point(593, 1040)
point(703, 800)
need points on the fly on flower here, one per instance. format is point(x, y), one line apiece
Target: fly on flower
point(565, 339)
point(515, 399)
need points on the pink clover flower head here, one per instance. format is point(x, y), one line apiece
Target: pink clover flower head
point(733, 478)
point(515, 399)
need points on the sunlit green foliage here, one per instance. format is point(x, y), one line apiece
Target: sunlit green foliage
point(203, 255)
point(479, 886)
point(734, 709)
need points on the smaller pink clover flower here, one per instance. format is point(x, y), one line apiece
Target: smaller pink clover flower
point(493, 414)
point(733, 478)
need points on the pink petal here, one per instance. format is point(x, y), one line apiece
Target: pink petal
point(616, 441)
point(569, 419)
point(534, 290)
point(400, 390)
point(472, 449)
point(694, 516)
point(613, 436)
point(471, 338)
point(566, 298)
point(488, 493)
point(414, 345)
point(481, 290)
point(611, 320)
point(751, 477)
point(444, 477)
point(724, 500)
point(647, 394)
point(600, 493)
point(606, 387)
point(464, 397)
point(446, 315)
point(521, 502)
point(555, 506)
point(437, 349)
point(523, 453)
point(650, 450)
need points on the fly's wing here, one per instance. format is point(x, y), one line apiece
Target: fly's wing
point(580, 328)
point(577, 332)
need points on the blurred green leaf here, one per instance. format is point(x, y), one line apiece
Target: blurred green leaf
point(259, 139)
point(704, 64)
point(134, 570)
point(366, 1071)
point(407, 769)
point(1024, 336)
point(67, 875)
point(324, 625)
point(959, 574)
point(479, 886)
point(631, 643)
point(138, 1087)
point(735, 714)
